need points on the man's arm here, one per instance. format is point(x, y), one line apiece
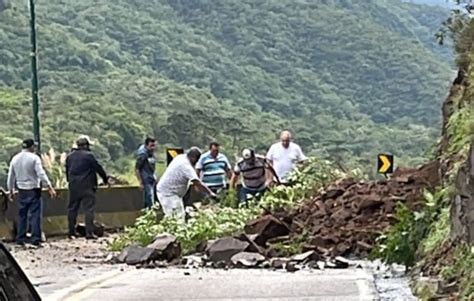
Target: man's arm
point(195, 181)
point(11, 180)
point(270, 173)
point(40, 173)
point(138, 166)
point(201, 187)
point(235, 176)
point(269, 155)
point(301, 155)
point(99, 169)
point(200, 166)
point(228, 169)
point(67, 168)
point(233, 179)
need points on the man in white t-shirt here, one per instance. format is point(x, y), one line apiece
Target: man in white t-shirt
point(175, 181)
point(284, 156)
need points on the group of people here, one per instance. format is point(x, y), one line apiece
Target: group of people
point(211, 172)
point(26, 177)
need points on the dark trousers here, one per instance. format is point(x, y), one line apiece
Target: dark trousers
point(246, 193)
point(149, 194)
point(87, 199)
point(30, 207)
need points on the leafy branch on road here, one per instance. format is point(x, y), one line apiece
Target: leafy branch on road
point(216, 221)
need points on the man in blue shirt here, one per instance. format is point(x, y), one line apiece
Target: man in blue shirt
point(214, 168)
point(145, 171)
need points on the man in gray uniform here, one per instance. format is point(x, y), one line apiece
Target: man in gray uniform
point(25, 177)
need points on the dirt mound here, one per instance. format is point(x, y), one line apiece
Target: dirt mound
point(349, 215)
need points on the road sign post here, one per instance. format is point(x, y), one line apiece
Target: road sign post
point(34, 77)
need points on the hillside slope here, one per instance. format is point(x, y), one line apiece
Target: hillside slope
point(350, 78)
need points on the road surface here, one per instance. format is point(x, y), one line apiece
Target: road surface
point(211, 284)
point(77, 270)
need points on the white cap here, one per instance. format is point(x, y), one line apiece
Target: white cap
point(247, 154)
point(82, 138)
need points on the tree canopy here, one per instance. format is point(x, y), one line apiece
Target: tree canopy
point(349, 78)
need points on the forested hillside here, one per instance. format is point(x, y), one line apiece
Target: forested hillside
point(350, 78)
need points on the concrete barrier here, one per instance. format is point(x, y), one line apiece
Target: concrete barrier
point(116, 207)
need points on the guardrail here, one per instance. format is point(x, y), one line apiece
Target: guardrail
point(116, 207)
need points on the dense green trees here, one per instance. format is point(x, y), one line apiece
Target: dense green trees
point(351, 78)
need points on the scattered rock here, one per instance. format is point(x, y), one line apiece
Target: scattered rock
point(266, 227)
point(247, 259)
point(310, 255)
point(278, 263)
point(192, 261)
point(341, 262)
point(223, 249)
point(167, 246)
point(134, 255)
point(291, 267)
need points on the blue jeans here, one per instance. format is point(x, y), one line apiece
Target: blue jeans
point(244, 192)
point(29, 202)
point(149, 194)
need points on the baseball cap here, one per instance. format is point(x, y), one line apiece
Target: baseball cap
point(84, 140)
point(247, 154)
point(27, 143)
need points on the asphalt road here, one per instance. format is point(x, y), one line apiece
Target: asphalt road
point(76, 270)
point(209, 284)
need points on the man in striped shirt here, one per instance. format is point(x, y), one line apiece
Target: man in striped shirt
point(214, 168)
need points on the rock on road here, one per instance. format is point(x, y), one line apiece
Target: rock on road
point(77, 270)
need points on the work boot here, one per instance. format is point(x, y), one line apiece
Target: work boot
point(91, 237)
point(20, 244)
point(72, 236)
point(36, 245)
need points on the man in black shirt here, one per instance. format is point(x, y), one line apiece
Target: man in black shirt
point(145, 171)
point(81, 171)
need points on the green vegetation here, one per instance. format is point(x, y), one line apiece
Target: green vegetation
point(219, 221)
point(351, 79)
point(462, 268)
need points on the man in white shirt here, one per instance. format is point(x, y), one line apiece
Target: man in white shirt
point(175, 181)
point(284, 156)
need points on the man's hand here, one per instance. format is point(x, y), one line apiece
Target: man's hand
point(141, 186)
point(52, 192)
point(12, 195)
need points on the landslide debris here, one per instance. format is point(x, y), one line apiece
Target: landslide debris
point(349, 215)
point(340, 221)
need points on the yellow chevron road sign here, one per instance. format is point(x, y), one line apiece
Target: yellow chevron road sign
point(384, 163)
point(171, 153)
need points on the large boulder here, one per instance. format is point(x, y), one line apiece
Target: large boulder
point(167, 245)
point(265, 228)
point(223, 249)
point(134, 255)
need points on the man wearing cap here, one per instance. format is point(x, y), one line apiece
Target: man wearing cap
point(284, 156)
point(256, 173)
point(145, 171)
point(81, 171)
point(175, 182)
point(25, 177)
